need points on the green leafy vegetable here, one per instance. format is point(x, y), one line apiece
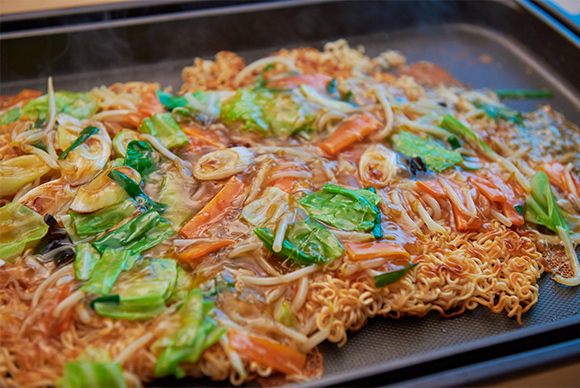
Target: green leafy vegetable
point(457, 128)
point(94, 374)
point(385, 279)
point(142, 158)
point(197, 332)
point(524, 93)
point(265, 113)
point(436, 157)
point(541, 207)
point(85, 260)
point(135, 192)
point(141, 233)
point(306, 243)
point(83, 136)
point(141, 297)
point(170, 101)
point(519, 209)
point(498, 112)
point(377, 230)
point(114, 299)
point(40, 145)
point(101, 220)
point(9, 117)
point(342, 208)
point(175, 194)
point(20, 227)
point(164, 128)
point(454, 142)
point(78, 105)
point(331, 86)
point(107, 270)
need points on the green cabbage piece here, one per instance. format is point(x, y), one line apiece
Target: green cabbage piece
point(436, 157)
point(541, 207)
point(20, 228)
point(78, 105)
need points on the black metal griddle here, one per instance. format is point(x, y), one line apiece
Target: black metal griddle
point(528, 49)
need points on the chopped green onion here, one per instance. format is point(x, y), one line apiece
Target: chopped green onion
point(135, 192)
point(524, 93)
point(83, 136)
point(115, 299)
point(519, 209)
point(10, 116)
point(454, 142)
point(388, 278)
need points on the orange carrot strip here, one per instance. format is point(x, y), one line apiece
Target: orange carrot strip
point(203, 249)
point(285, 184)
point(372, 250)
point(555, 173)
point(432, 187)
point(151, 104)
point(215, 209)
point(275, 355)
point(207, 137)
point(26, 94)
point(487, 188)
point(353, 130)
point(134, 118)
point(508, 207)
point(463, 220)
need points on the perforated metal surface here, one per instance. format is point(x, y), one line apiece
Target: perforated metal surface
point(387, 344)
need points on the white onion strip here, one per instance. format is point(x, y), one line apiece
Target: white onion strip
point(432, 225)
point(276, 280)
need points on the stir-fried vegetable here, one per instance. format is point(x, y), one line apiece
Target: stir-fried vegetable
point(141, 157)
point(78, 105)
point(541, 207)
point(436, 157)
point(52, 197)
point(457, 128)
point(267, 113)
point(170, 101)
point(83, 136)
point(122, 140)
point(103, 191)
point(524, 93)
point(141, 233)
point(99, 221)
point(388, 278)
point(93, 374)
point(497, 112)
point(20, 227)
point(106, 270)
point(275, 355)
point(266, 210)
point(142, 298)
point(354, 129)
point(343, 208)
point(372, 250)
point(306, 243)
point(10, 116)
point(19, 171)
point(200, 250)
point(223, 164)
point(197, 332)
point(175, 193)
point(132, 188)
point(165, 128)
point(85, 260)
point(222, 203)
point(377, 165)
point(57, 242)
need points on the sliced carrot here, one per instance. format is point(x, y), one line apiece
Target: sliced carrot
point(203, 249)
point(487, 188)
point(508, 207)
point(372, 250)
point(432, 187)
point(275, 355)
point(555, 173)
point(215, 209)
point(353, 130)
point(206, 137)
point(149, 106)
point(26, 94)
point(464, 222)
point(319, 81)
